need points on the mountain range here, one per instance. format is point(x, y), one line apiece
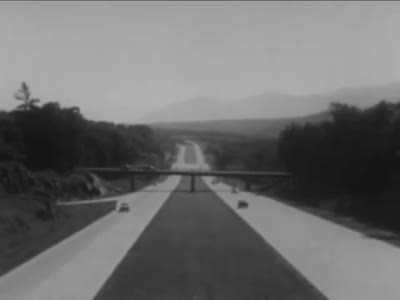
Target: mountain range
point(270, 105)
point(267, 128)
point(264, 115)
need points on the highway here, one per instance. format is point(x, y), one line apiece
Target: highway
point(180, 245)
point(77, 267)
point(341, 263)
point(196, 247)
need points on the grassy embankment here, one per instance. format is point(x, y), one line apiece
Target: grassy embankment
point(23, 239)
point(24, 233)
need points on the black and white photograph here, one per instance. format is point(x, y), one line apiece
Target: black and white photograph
point(199, 150)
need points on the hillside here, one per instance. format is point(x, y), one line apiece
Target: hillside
point(270, 106)
point(254, 127)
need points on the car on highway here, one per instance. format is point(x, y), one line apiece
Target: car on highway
point(124, 207)
point(242, 204)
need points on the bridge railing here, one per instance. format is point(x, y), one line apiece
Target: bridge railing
point(192, 173)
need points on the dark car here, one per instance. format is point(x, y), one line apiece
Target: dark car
point(242, 204)
point(124, 207)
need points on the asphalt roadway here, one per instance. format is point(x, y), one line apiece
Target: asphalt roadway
point(181, 245)
point(171, 245)
point(196, 247)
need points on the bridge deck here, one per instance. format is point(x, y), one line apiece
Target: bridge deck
point(187, 172)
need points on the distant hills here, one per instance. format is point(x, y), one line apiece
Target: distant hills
point(268, 128)
point(267, 106)
point(264, 115)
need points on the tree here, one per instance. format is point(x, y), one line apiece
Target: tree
point(59, 138)
point(354, 153)
point(23, 94)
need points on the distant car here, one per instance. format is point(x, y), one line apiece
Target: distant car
point(127, 167)
point(124, 207)
point(242, 204)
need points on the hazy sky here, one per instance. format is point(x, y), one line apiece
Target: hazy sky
point(120, 60)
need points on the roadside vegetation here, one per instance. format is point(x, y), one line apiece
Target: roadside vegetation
point(353, 160)
point(248, 154)
point(24, 235)
point(43, 148)
point(347, 164)
point(54, 137)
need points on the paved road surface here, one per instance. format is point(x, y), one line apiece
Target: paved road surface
point(77, 267)
point(198, 248)
point(343, 264)
point(190, 155)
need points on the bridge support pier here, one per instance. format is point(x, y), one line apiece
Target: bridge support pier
point(192, 184)
point(247, 185)
point(133, 187)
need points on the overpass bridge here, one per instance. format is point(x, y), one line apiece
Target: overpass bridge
point(244, 175)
